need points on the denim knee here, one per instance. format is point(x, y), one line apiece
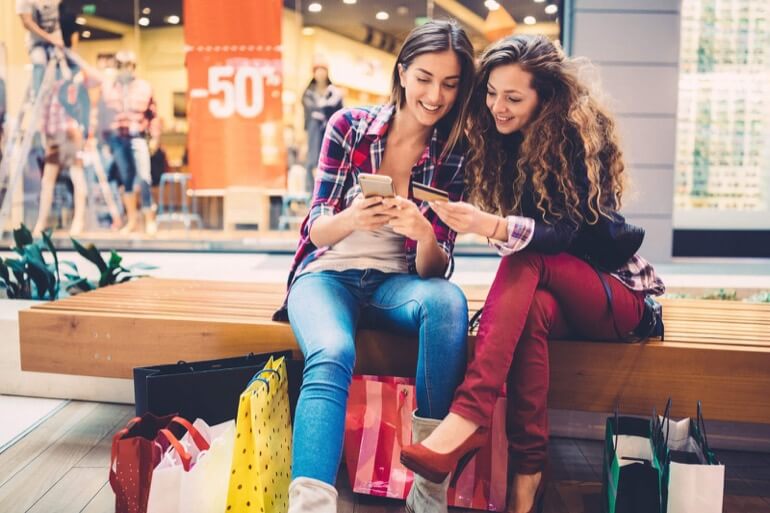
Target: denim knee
point(444, 300)
point(330, 360)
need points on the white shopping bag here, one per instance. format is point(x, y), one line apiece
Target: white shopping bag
point(193, 473)
point(204, 488)
point(696, 478)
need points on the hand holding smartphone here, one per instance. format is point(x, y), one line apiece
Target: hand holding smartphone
point(376, 185)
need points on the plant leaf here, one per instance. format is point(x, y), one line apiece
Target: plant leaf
point(52, 249)
point(91, 254)
point(41, 277)
point(70, 264)
point(115, 259)
point(22, 236)
point(81, 285)
point(4, 271)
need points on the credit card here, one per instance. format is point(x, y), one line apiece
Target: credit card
point(427, 193)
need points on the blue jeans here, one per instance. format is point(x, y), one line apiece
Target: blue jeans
point(326, 308)
point(132, 159)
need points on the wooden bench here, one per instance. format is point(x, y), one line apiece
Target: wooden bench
point(715, 351)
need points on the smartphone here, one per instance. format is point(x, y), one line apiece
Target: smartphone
point(427, 193)
point(376, 185)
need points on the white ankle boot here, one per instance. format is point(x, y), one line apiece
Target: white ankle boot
point(311, 495)
point(425, 496)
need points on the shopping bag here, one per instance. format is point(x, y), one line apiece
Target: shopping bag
point(378, 425)
point(261, 463)
point(207, 390)
point(695, 477)
point(192, 476)
point(632, 473)
point(136, 450)
point(165, 485)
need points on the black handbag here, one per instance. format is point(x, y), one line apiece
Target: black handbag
point(651, 323)
point(207, 389)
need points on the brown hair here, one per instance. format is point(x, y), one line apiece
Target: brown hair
point(569, 130)
point(439, 36)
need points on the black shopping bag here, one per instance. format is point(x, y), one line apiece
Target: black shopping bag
point(632, 475)
point(208, 390)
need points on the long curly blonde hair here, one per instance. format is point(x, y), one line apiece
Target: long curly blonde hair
point(569, 131)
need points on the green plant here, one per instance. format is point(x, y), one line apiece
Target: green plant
point(760, 297)
point(721, 294)
point(110, 272)
point(30, 276)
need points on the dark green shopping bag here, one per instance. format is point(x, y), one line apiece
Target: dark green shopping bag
point(631, 481)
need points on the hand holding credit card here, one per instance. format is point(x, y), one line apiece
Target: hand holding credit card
point(427, 193)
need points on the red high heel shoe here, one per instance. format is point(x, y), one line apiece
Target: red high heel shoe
point(435, 466)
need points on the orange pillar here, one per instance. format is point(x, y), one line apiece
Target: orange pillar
point(235, 79)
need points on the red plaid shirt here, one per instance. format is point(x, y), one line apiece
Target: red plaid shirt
point(354, 143)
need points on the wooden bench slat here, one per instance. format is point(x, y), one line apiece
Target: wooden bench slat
point(715, 351)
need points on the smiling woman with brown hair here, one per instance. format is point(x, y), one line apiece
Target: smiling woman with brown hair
point(545, 164)
point(382, 261)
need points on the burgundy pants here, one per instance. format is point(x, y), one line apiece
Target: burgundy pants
point(535, 297)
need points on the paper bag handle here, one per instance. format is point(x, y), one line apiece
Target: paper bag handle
point(184, 456)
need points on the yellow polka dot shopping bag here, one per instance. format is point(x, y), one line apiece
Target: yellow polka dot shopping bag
point(261, 467)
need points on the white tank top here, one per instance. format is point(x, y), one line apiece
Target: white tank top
point(381, 249)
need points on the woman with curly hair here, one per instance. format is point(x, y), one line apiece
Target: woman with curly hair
point(546, 168)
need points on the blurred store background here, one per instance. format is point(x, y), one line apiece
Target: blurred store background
point(234, 90)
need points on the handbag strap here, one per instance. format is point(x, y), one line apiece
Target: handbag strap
point(608, 293)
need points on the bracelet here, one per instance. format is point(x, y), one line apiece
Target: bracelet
point(497, 225)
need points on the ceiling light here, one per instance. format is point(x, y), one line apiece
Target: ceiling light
point(172, 20)
point(349, 2)
point(402, 10)
point(382, 15)
point(86, 34)
point(314, 7)
point(80, 20)
point(551, 9)
point(539, 1)
point(529, 20)
point(146, 10)
point(308, 31)
point(492, 5)
point(144, 21)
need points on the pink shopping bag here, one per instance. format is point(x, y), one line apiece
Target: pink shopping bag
point(378, 424)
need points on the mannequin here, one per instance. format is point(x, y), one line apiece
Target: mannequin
point(320, 100)
point(65, 125)
point(128, 113)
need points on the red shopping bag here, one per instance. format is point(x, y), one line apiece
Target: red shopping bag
point(136, 451)
point(378, 424)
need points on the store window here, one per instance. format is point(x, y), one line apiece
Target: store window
point(723, 159)
point(190, 194)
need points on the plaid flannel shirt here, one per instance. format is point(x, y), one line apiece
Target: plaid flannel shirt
point(636, 274)
point(129, 109)
point(354, 143)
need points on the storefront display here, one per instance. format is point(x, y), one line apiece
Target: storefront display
point(723, 160)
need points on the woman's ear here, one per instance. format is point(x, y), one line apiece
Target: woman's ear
point(401, 75)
